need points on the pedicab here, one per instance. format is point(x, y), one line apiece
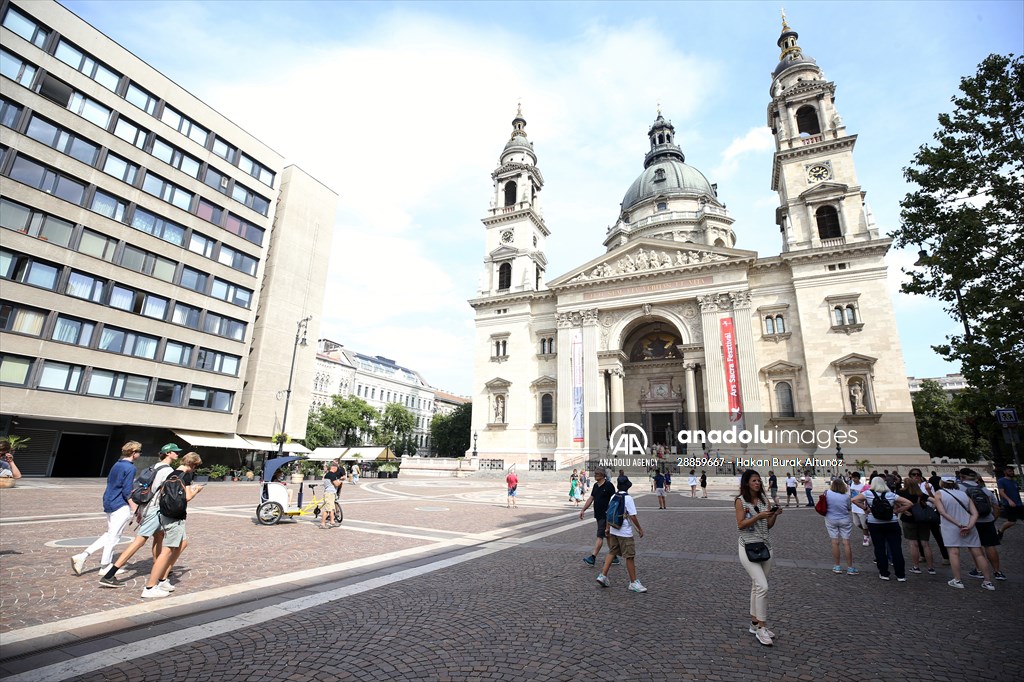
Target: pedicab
point(275, 503)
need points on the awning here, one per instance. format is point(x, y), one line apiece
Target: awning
point(327, 454)
point(203, 439)
point(268, 445)
point(369, 454)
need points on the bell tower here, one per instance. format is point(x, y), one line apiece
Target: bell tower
point(514, 259)
point(821, 204)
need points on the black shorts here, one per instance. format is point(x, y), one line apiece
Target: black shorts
point(602, 526)
point(790, 491)
point(1012, 513)
point(987, 533)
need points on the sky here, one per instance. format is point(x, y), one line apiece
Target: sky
point(404, 108)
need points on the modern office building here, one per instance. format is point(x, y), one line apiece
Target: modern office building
point(157, 263)
point(951, 383)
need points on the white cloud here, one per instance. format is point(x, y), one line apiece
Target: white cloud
point(758, 140)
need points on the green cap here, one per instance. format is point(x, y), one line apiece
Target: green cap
point(170, 447)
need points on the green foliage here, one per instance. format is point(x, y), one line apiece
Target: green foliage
point(387, 468)
point(450, 433)
point(395, 429)
point(968, 213)
point(217, 471)
point(18, 442)
point(942, 427)
point(340, 423)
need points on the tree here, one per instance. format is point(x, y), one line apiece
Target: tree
point(450, 432)
point(395, 429)
point(968, 213)
point(943, 427)
point(342, 423)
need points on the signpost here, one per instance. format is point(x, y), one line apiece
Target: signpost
point(1007, 418)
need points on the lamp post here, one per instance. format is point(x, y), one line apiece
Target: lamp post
point(300, 340)
point(474, 443)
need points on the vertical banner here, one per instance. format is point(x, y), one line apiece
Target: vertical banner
point(577, 386)
point(732, 371)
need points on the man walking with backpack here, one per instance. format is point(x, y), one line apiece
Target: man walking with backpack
point(175, 494)
point(600, 495)
point(622, 519)
point(149, 512)
point(117, 505)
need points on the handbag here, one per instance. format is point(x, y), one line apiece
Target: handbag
point(757, 551)
point(822, 505)
point(923, 514)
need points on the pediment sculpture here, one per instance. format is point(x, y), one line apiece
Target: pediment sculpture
point(643, 260)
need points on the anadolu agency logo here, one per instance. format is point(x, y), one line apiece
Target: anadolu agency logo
point(628, 439)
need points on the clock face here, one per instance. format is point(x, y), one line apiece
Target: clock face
point(506, 236)
point(819, 172)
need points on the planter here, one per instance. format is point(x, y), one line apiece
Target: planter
point(297, 478)
point(202, 479)
point(227, 478)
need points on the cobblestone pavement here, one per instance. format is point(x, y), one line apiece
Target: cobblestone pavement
point(434, 579)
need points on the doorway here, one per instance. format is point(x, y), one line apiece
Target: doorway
point(80, 455)
point(662, 429)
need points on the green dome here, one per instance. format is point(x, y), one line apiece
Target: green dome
point(676, 178)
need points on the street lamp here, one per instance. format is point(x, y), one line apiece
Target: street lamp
point(474, 443)
point(923, 259)
point(300, 340)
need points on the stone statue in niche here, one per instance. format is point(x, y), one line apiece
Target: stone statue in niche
point(499, 410)
point(857, 398)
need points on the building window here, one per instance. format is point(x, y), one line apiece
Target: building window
point(547, 409)
point(244, 195)
point(224, 150)
point(173, 156)
point(807, 120)
point(122, 341)
point(40, 177)
point(194, 279)
point(201, 244)
point(147, 263)
point(89, 109)
point(505, 276)
point(159, 227)
point(35, 223)
point(215, 361)
point(244, 229)
point(9, 111)
point(224, 326)
point(117, 385)
point(119, 168)
point(84, 63)
point(168, 191)
point(21, 320)
point(58, 376)
point(21, 268)
point(186, 315)
point(140, 98)
point(659, 174)
point(25, 27)
point(185, 126)
point(216, 180)
point(237, 260)
point(828, 223)
point(14, 369)
point(97, 245)
point(232, 293)
point(178, 353)
point(62, 140)
point(256, 170)
point(19, 71)
point(784, 399)
point(662, 206)
point(130, 133)
point(769, 325)
point(108, 205)
point(209, 211)
point(87, 287)
point(73, 331)
point(844, 311)
point(169, 392)
point(510, 192)
point(210, 398)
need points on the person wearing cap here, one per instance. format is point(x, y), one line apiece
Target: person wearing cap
point(332, 485)
point(149, 526)
point(986, 524)
point(959, 517)
point(117, 505)
point(621, 542)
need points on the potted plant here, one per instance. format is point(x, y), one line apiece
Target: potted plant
point(219, 472)
point(312, 469)
point(202, 475)
point(387, 470)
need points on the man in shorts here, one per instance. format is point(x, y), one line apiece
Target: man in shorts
point(858, 515)
point(659, 489)
point(986, 524)
point(1009, 500)
point(332, 485)
point(791, 489)
point(174, 529)
point(621, 542)
point(512, 482)
point(600, 495)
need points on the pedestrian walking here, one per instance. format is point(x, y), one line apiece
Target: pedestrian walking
point(355, 474)
point(177, 491)
point(149, 526)
point(511, 483)
point(808, 484)
point(884, 507)
point(118, 507)
point(332, 486)
point(791, 489)
point(754, 521)
point(773, 486)
point(704, 486)
point(959, 517)
point(600, 495)
point(857, 515)
point(621, 542)
point(574, 483)
point(985, 501)
point(693, 483)
point(916, 522)
point(668, 481)
point(1009, 500)
point(839, 525)
point(659, 489)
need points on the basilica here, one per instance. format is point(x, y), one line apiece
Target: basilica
point(675, 330)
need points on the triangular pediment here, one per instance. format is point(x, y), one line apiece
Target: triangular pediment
point(546, 381)
point(781, 367)
point(498, 383)
point(504, 251)
point(824, 189)
point(855, 361)
point(654, 256)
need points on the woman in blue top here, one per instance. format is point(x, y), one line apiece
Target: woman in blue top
point(839, 524)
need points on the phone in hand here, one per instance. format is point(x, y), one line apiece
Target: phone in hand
point(774, 508)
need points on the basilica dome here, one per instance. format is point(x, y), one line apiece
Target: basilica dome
point(668, 176)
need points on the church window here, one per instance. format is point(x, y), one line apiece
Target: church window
point(505, 276)
point(769, 325)
point(662, 206)
point(784, 399)
point(547, 409)
point(807, 120)
point(780, 324)
point(837, 316)
point(828, 223)
point(851, 315)
point(719, 242)
point(510, 192)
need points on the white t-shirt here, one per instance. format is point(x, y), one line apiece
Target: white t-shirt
point(790, 482)
point(626, 531)
point(693, 480)
point(162, 472)
point(856, 490)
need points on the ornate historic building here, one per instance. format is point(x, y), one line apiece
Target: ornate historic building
point(675, 327)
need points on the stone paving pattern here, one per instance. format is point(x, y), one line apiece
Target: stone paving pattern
point(535, 612)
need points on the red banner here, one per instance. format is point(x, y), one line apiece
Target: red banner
point(732, 371)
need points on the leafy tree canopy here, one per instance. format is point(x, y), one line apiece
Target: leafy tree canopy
point(450, 433)
point(341, 423)
point(943, 427)
point(396, 427)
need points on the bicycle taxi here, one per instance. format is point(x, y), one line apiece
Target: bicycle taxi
point(276, 502)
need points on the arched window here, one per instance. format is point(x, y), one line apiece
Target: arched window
point(837, 316)
point(505, 276)
point(784, 399)
point(719, 242)
point(661, 138)
point(828, 223)
point(662, 206)
point(510, 192)
point(551, 345)
point(780, 324)
point(851, 315)
point(807, 120)
point(547, 409)
point(544, 347)
point(769, 325)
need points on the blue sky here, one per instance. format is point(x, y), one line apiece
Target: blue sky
point(403, 108)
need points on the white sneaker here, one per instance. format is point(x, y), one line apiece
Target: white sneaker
point(763, 637)
point(78, 563)
point(165, 585)
point(956, 583)
point(988, 586)
point(154, 593)
point(120, 572)
point(753, 631)
point(635, 586)
point(603, 579)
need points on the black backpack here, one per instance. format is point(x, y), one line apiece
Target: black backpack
point(980, 498)
point(142, 489)
point(172, 497)
point(881, 508)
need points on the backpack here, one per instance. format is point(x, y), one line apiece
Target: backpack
point(616, 510)
point(822, 505)
point(142, 490)
point(172, 497)
point(980, 498)
point(881, 508)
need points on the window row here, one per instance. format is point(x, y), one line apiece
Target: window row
point(412, 402)
point(58, 376)
point(31, 30)
point(29, 270)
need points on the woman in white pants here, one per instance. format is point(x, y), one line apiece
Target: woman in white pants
point(754, 519)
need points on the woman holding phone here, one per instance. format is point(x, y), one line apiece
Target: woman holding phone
point(754, 520)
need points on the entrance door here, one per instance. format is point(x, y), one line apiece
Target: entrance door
point(80, 455)
point(662, 432)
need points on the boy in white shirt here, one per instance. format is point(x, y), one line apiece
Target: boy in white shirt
point(620, 540)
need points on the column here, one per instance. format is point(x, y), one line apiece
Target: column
point(714, 376)
point(593, 386)
point(691, 396)
point(749, 389)
point(564, 419)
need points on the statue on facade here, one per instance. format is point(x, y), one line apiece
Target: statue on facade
point(499, 410)
point(857, 398)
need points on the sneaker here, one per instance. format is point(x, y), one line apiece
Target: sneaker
point(988, 586)
point(590, 560)
point(998, 576)
point(753, 631)
point(956, 583)
point(883, 577)
point(120, 572)
point(901, 580)
point(616, 561)
point(837, 569)
point(154, 593)
point(852, 571)
point(165, 585)
point(762, 637)
point(111, 582)
point(914, 569)
point(78, 563)
point(867, 541)
point(635, 586)
point(931, 571)
point(603, 579)
point(975, 573)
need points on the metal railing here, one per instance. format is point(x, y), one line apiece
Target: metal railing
point(542, 465)
point(498, 464)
